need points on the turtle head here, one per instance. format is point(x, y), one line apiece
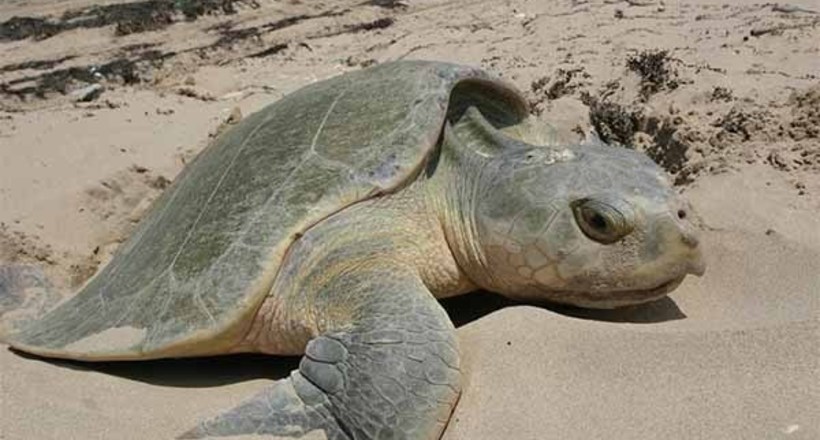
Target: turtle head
point(590, 225)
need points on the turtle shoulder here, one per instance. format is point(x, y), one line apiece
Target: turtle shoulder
point(193, 273)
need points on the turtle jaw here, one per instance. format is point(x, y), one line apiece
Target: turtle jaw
point(611, 299)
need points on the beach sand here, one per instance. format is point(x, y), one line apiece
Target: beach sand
point(725, 96)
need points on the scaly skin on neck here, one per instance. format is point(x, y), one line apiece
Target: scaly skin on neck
point(452, 193)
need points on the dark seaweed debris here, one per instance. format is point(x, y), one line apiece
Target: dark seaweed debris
point(653, 68)
point(371, 25)
point(36, 64)
point(387, 4)
point(193, 9)
point(273, 50)
point(127, 18)
point(381, 23)
point(134, 61)
point(562, 83)
point(616, 124)
point(122, 70)
point(20, 28)
point(229, 36)
point(721, 94)
point(613, 122)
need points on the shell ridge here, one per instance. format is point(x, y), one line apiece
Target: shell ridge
point(325, 118)
point(215, 190)
point(169, 270)
point(140, 232)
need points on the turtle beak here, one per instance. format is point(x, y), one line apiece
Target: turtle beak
point(697, 265)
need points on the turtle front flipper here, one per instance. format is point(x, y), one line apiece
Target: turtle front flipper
point(386, 366)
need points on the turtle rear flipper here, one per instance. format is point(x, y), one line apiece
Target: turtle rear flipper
point(391, 373)
point(25, 296)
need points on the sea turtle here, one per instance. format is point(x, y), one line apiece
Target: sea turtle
point(328, 223)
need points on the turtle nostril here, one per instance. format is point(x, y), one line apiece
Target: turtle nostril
point(681, 214)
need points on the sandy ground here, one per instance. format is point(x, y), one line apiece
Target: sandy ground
point(731, 109)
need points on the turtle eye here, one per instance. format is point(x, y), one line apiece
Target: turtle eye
point(601, 221)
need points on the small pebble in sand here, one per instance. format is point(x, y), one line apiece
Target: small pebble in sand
point(640, 2)
point(191, 92)
point(791, 429)
point(87, 94)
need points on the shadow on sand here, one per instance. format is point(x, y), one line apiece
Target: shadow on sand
point(223, 370)
point(190, 372)
point(468, 308)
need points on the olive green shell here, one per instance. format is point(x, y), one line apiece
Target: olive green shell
point(190, 278)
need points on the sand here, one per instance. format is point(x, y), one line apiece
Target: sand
point(731, 109)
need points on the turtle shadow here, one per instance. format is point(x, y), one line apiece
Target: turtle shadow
point(468, 308)
point(204, 372)
point(216, 371)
